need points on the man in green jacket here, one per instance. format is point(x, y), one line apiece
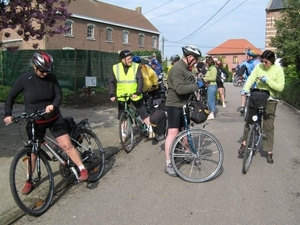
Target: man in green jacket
point(181, 84)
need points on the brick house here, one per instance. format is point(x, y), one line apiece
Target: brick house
point(99, 26)
point(233, 51)
point(272, 13)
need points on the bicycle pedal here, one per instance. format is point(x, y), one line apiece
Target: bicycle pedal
point(264, 135)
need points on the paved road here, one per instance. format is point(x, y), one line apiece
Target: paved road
point(135, 190)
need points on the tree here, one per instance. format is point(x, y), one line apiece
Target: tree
point(34, 19)
point(287, 39)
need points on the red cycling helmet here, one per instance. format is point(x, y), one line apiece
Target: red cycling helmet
point(43, 61)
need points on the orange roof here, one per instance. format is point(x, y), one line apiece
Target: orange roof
point(234, 46)
point(110, 14)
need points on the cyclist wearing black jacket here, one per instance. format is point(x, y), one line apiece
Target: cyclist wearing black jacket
point(42, 92)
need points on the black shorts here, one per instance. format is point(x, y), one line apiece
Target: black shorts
point(139, 105)
point(175, 117)
point(57, 127)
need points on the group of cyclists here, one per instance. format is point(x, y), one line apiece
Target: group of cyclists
point(41, 91)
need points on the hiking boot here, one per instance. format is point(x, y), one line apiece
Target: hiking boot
point(84, 175)
point(242, 110)
point(270, 158)
point(241, 150)
point(27, 188)
point(170, 170)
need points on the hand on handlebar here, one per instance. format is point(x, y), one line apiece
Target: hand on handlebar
point(7, 120)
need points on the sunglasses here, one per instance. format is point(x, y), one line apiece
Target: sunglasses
point(42, 71)
point(264, 61)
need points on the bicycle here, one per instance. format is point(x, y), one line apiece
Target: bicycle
point(196, 155)
point(238, 81)
point(33, 158)
point(131, 127)
point(255, 134)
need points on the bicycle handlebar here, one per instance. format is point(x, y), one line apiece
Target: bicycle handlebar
point(24, 115)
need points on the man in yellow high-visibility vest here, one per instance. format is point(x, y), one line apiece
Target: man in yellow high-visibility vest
point(127, 78)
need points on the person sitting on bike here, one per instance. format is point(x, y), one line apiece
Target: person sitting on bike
point(127, 78)
point(41, 91)
point(181, 84)
point(245, 71)
point(270, 77)
point(174, 59)
point(221, 76)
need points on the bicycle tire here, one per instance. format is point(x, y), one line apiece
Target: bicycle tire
point(235, 81)
point(92, 154)
point(39, 199)
point(126, 141)
point(201, 167)
point(245, 114)
point(249, 149)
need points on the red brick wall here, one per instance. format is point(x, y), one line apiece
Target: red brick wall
point(80, 41)
point(270, 28)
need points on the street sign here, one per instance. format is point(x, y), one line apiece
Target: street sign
point(90, 81)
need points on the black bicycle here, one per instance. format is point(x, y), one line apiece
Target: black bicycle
point(31, 163)
point(256, 133)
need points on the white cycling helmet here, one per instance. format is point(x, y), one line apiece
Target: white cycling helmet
point(191, 50)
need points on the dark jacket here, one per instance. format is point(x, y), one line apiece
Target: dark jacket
point(181, 84)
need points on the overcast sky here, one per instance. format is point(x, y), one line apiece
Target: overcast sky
point(204, 23)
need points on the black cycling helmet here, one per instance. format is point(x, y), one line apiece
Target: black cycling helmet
point(123, 54)
point(175, 58)
point(191, 50)
point(43, 61)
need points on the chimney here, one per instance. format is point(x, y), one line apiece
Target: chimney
point(139, 9)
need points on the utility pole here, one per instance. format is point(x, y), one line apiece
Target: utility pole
point(163, 47)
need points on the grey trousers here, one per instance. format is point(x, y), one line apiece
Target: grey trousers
point(268, 125)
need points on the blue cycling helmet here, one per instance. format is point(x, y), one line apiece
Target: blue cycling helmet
point(153, 62)
point(136, 59)
point(251, 53)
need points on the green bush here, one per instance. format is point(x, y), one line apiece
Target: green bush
point(4, 91)
point(291, 92)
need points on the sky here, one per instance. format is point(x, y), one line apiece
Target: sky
point(205, 23)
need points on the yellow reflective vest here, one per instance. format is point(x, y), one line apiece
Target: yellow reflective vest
point(126, 83)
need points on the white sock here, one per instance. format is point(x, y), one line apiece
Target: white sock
point(150, 128)
point(168, 161)
point(81, 167)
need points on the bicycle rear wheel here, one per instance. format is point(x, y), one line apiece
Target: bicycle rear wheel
point(39, 199)
point(203, 165)
point(249, 149)
point(126, 132)
point(92, 154)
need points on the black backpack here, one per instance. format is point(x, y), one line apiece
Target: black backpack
point(158, 121)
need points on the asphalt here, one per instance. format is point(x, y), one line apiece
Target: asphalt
point(104, 124)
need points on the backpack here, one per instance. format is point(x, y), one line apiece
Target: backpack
point(150, 78)
point(219, 76)
point(158, 121)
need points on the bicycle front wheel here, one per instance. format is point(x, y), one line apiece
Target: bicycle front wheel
point(38, 200)
point(249, 149)
point(126, 132)
point(92, 154)
point(201, 165)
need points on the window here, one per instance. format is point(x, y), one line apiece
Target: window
point(235, 59)
point(69, 24)
point(109, 31)
point(90, 31)
point(154, 42)
point(223, 59)
point(141, 40)
point(125, 37)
